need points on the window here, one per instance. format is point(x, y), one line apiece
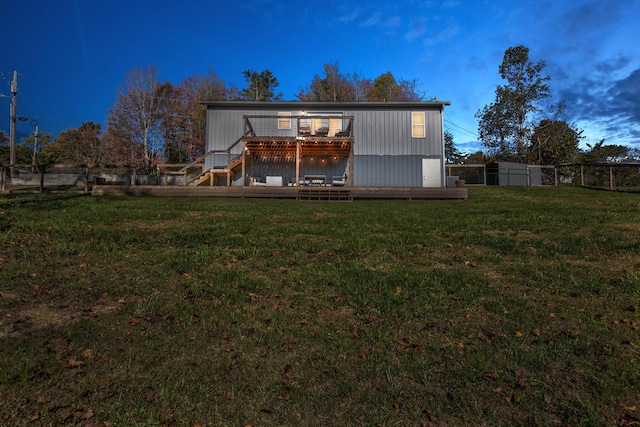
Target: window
point(417, 125)
point(284, 120)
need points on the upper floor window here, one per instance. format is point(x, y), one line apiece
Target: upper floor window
point(284, 120)
point(418, 124)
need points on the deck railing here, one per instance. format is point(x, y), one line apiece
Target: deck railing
point(319, 126)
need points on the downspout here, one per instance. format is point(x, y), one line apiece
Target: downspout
point(443, 178)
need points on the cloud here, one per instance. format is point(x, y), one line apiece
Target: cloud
point(345, 19)
point(391, 22)
point(607, 106)
point(590, 17)
point(622, 98)
point(614, 64)
point(416, 30)
point(373, 20)
point(447, 33)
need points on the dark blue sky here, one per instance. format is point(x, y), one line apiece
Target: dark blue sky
point(73, 55)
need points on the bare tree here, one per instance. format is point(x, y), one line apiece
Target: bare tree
point(138, 112)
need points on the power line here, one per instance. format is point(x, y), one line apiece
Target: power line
point(460, 128)
point(458, 131)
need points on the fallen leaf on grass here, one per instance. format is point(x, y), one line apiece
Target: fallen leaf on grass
point(536, 332)
point(490, 375)
point(33, 417)
point(38, 291)
point(518, 334)
point(629, 420)
point(470, 264)
point(483, 337)
point(81, 415)
point(72, 362)
point(43, 399)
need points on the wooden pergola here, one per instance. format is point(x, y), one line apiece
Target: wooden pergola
point(298, 147)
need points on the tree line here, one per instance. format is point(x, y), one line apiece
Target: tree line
point(154, 122)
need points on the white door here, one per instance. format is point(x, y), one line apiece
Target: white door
point(431, 173)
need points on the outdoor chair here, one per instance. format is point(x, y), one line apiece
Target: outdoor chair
point(346, 132)
point(257, 182)
point(323, 131)
point(304, 130)
point(339, 181)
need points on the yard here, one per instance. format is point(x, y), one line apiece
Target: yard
point(518, 306)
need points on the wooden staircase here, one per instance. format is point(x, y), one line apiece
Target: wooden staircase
point(212, 177)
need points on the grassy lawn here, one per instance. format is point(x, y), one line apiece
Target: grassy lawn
point(518, 306)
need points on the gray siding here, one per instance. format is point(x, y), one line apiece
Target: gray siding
point(376, 132)
point(388, 171)
point(388, 132)
point(224, 127)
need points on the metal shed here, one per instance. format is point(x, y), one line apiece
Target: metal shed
point(513, 174)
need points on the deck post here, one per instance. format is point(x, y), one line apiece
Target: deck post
point(297, 163)
point(244, 150)
point(350, 166)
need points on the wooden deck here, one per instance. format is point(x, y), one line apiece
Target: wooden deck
point(300, 193)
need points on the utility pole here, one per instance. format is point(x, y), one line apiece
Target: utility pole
point(35, 143)
point(12, 130)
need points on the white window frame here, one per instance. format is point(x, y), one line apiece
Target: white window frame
point(284, 120)
point(418, 130)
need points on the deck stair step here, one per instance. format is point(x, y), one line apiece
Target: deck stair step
point(325, 193)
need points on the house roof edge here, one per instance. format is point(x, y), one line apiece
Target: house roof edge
point(307, 105)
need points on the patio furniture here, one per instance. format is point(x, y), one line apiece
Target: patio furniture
point(315, 179)
point(339, 181)
point(304, 130)
point(274, 181)
point(346, 132)
point(323, 131)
